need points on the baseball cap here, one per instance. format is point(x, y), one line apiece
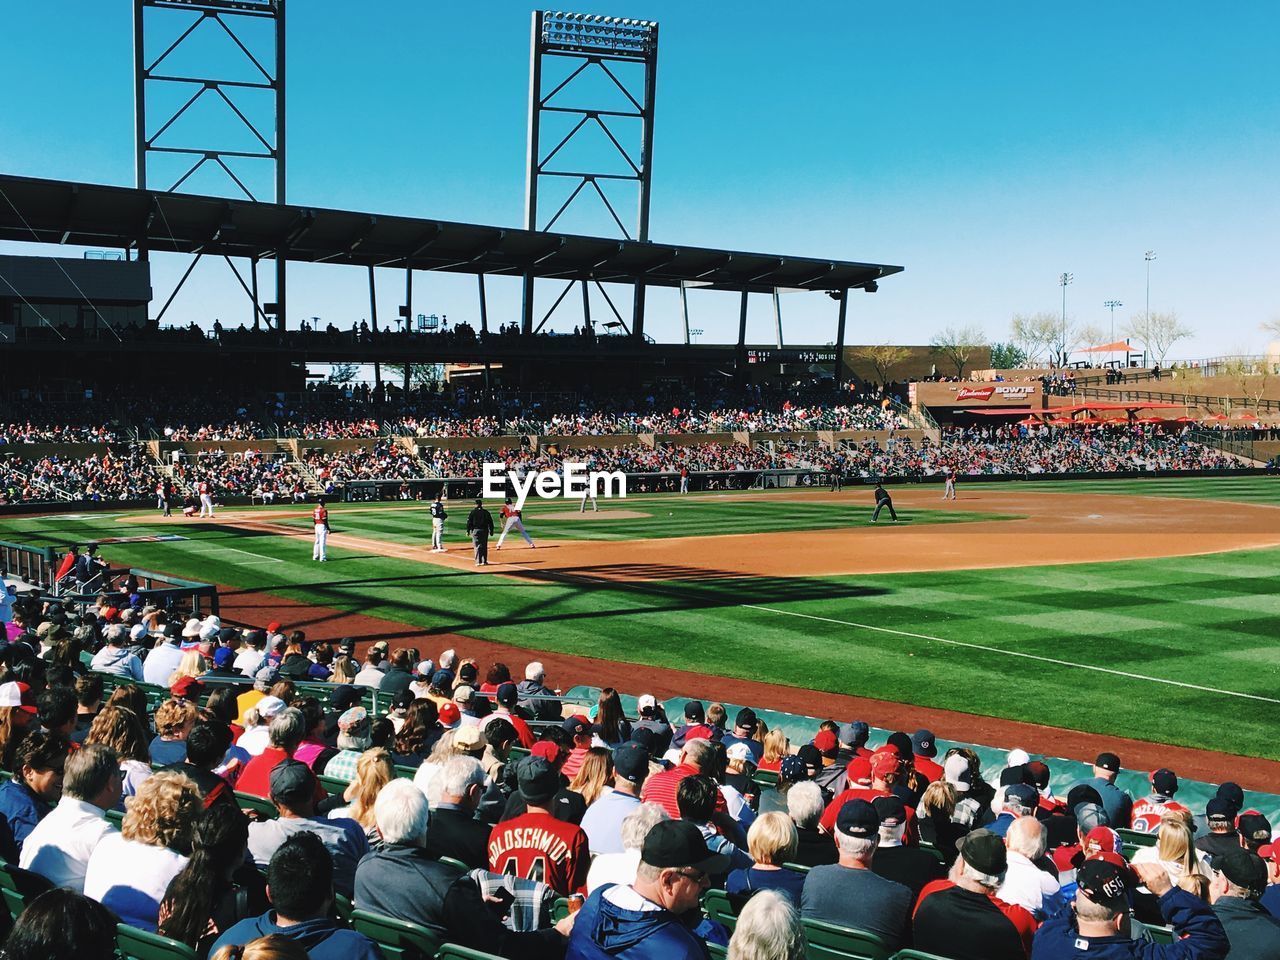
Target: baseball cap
point(857, 818)
point(891, 809)
point(268, 707)
point(224, 656)
point(793, 769)
point(679, 843)
point(538, 780)
point(923, 745)
point(647, 702)
point(450, 716)
point(1270, 851)
point(1090, 815)
point(468, 673)
point(1233, 794)
point(1254, 827)
point(1082, 793)
point(643, 736)
point(343, 697)
point(547, 750)
point(631, 762)
point(736, 751)
point(695, 711)
point(189, 688)
point(577, 725)
point(1108, 761)
point(402, 700)
point(507, 694)
point(984, 851)
point(1102, 840)
point(15, 693)
point(811, 756)
point(192, 629)
point(746, 719)
point(1103, 882)
point(274, 627)
point(826, 743)
point(1219, 810)
point(426, 668)
point(854, 734)
point(957, 773)
point(442, 679)
point(1037, 774)
point(469, 738)
point(136, 632)
point(1023, 793)
point(291, 779)
point(859, 771)
point(884, 762)
point(900, 742)
point(1164, 781)
point(352, 718)
point(1244, 868)
point(463, 693)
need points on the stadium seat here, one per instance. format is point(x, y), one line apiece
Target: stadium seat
point(406, 773)
point(398, 939)
point(1132, 838)
point(452, 951)
point(716, 951)
point(19, 887)
point(717, 906)
point(115, 818)
point(1160, 934)
point(766, 778)
point(516, 753)
point(334, 786)
point(455, 863)
point(343, 906)
point(135, 944)
point(830, 941)
point(916, 955)
point(262, 805)
point(798, 867)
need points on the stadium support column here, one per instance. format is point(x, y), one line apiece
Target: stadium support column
point(777, 316)
point(484, 335)
point(139, 112)
point(684, 311)
point(531, 174)
point(373, 324)
point(839, 361)
point(282, 261)
point(740, 359)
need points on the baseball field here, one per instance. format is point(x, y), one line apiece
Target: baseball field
point(1144, 609)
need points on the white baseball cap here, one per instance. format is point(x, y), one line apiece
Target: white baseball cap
point(137, 631)
point(647, 701)
point(268, 707)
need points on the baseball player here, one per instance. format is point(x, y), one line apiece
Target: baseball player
point(949, 490)
point(206, 498)
point(511, 518)
point(164, 493)
point(320, 517)
point(684, 479)
point(883, 500)
point(589, 494)
point(438, 516)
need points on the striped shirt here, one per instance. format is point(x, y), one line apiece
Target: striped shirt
point(661, 789)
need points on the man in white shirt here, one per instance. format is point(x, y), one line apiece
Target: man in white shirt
point(164, 659)
point(250, 657)
point(59, 846)
point(621, 867)
point(372, 672)
point(1025, 884)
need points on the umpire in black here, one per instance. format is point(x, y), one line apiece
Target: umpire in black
point(883, 500)
point(480, 526)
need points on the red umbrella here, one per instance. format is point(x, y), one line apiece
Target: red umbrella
point(1089, 422)
point(1217, 416)
point(1061, 422)
point(1147, 420)
point(1028, 422)
point(1184, 420)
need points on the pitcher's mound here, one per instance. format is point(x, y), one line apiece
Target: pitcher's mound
point(593, 515)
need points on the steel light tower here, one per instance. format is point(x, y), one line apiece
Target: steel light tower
point(1148, 256)
point(1111, 305)
point(1063, 280)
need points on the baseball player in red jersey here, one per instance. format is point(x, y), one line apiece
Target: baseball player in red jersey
point(206, 498)
point(511, 518)
point(320, 517)
point(535, 845)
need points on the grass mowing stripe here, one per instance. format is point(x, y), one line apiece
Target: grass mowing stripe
point(1014, 653)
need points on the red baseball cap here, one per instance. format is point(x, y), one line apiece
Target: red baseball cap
point(1101, 840)
point(15, 693)
point(826, 741)
point(273, 626)
point(859, 771)
point(187, 688)
point(1270, 851)
point(450, 715)
point(547, 750)
point(884, 761)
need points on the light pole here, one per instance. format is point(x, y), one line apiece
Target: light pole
point(1063, 280)
point(1111, 305)
point(1148, 256)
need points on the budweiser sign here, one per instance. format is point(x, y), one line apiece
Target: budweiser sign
point(1008, 392)
point(975, 393)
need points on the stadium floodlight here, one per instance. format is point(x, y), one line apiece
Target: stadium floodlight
point(592, 33)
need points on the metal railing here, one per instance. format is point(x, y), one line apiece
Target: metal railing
point(33, 564)
point(1184, 399)
point(1238, 443)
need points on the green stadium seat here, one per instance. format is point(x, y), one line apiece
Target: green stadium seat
point(452, 951)
point(334, 786)
point(406, 773)
point(455, 863)
point(19, 887)
point(1133, 838)
point(135, 944)
point(798, 867)
point(717, 906)
point(916, 955)
point(766, 778)
point(1161, 934)
point(343, 906)
point(716, 951)
point(830, 941)
point(516, 753)
point(398, 939)
point(262, 805)
point(115, 818)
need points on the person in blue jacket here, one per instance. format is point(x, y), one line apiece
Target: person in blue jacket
point(1097, 927)
point(300, 885)
point(656, 917)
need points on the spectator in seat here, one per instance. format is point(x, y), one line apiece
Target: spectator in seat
point(776, 747)
point(374, 771)
point(293, 791)
point(696, 801)
point(653, 717)
point(924, 749)
point(174, 720)
point(621, 867)
point(116, 658)
point(1099, 925)
point(400, 879)
point(771, 841)
point(1270, 899)
point(60, 845)
point(579, 728)
point(804, 806)
point(455, 832)
point(536, 845)
point(371, 673)
point(88, 703)
point(896, 861)
point(30, 794)
point(1026, 884)
point(698, 756)
point(603, 820)
point(1020, 800)
point(62, 925)
point(120, 729)
point(207, 745)
point(300, 884)
point(508, 697)
point(130, 871)
point(745, 725)
point(848, 892)
point(1117, 803)
point(594, 776)
point(1255, 830)
point(1146, 813)
point(536, 696)
point(285, 732)
point(1223, 837)
point(962, 918)
point(768, 928)
point(1174, 851)
point(56, 708)
point(164, 657)
point(647, 920)
point(399, 675)
point(1240, 879)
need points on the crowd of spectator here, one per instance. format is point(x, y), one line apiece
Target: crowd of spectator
point(382, 460)
point(124, 472)
point(468, 801)
point(250, 473)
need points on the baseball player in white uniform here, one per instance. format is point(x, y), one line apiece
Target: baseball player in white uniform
point(510, 519)
point(589, 494)
point(438, 517)
point(320, 516)
point(949, 490)
point(206, 498)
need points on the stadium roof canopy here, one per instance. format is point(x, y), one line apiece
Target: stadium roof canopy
point(64, 212)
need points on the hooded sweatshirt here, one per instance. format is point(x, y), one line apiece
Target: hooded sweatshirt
point(119, 661)
point(605, 930)
point(323, 939)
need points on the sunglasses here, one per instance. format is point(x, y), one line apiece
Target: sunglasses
point(699, 877)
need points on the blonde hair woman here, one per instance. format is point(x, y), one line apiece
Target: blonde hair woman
point(191, 665)
point(129, 871)
point(776, 746)
point(768, 928)
point(344, 671)
point(275, 947)
point(174, 720)
point(771, 841)
point(1174, 850)
point(374, 770)
point(595, 776)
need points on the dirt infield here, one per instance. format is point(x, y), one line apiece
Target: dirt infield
point(320, 623)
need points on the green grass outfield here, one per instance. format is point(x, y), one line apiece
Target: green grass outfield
point(1032, 644)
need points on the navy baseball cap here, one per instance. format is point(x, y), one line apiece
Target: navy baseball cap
point(1023, 793)
point(857, 818)
point(695, 711)
point(793, 769)
point(854, 734)
point(1165, 782)
point(923, 745)
point(631, 761)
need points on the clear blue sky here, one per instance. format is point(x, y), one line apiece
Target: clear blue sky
point(987, 148)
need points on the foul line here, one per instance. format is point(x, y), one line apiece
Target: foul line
point(1014, 653)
